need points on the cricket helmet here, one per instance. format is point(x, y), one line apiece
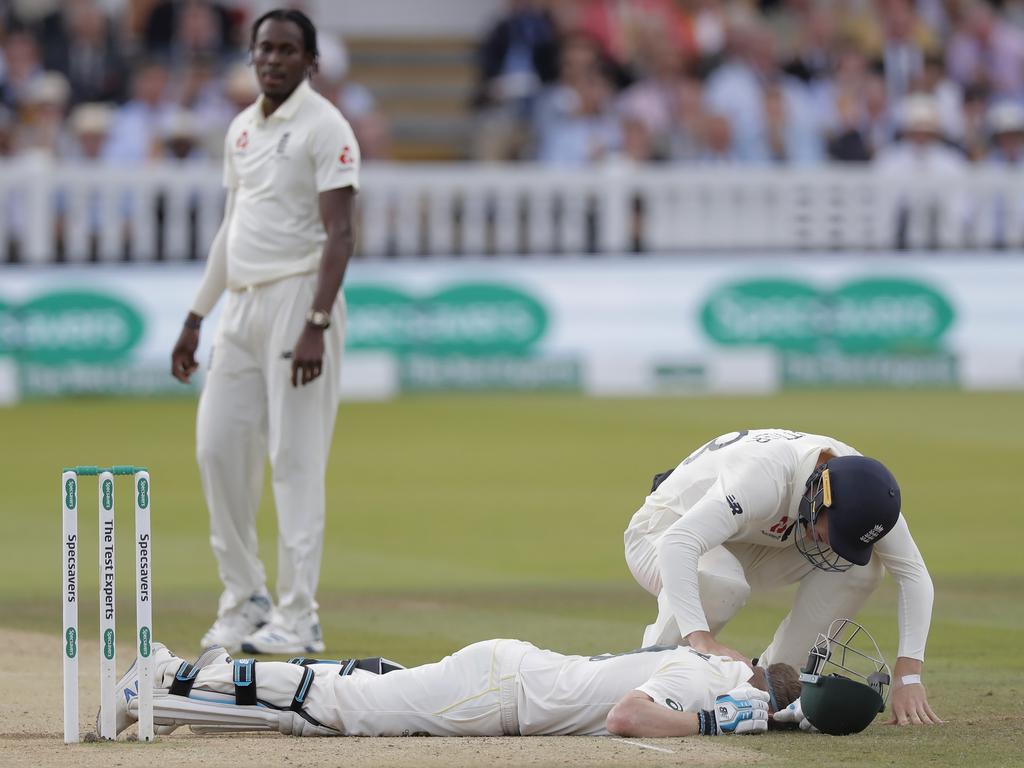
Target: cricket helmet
point(845, 682)
point(863, 502)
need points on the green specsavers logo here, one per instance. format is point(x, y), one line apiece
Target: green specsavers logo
point(108, 494)
point(70, 493)
point(862, 316)
point(144, 642)
point(71, 643)
point(70, 326)
point(467, 319)
point(143, 499)
point(108, 644)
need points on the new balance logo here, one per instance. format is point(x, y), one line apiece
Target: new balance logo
point(734, 505)
point(131, 692)
point(873, 534)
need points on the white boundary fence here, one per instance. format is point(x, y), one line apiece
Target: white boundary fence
point(77, 212)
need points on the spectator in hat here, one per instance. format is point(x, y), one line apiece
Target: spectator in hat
point(44, 107)
point(1006, 127)
point(90, 127)
point(921, 155)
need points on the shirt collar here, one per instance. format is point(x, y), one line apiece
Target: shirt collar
point(290, 106)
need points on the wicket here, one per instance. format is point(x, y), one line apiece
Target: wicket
point(108, 629)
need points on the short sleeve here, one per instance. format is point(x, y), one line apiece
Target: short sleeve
point(335, 153)
point(230, 177)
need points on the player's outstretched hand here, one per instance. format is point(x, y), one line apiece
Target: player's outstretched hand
point(742, 710)
point(794, 715)
point(910, 706)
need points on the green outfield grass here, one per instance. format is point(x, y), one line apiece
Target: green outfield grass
point(453, 519)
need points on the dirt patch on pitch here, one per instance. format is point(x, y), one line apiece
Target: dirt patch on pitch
point(31, 729)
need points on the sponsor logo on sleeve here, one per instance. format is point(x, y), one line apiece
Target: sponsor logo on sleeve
point(734, 505)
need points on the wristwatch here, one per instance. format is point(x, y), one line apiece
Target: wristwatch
point(319, 319)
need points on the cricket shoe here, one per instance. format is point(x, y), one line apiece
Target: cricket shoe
point(164, 663)
point(127, 690)
point(237, 624)
point(276, 638)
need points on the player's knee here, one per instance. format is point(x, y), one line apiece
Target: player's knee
point(864, 578)
point(721, 597)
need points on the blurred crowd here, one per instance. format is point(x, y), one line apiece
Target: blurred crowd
point(934, 84)
point(904, 84)
point(127, 81)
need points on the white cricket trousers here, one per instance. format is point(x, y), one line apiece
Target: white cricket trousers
point(472, 692)
point(725, 576)
point(250, 411)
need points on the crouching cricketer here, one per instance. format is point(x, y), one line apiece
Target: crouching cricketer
point(766, 508)
point(490, 688)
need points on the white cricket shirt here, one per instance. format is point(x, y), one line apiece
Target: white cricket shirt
point(566, 695)
point(746, 487)
point(278, 166)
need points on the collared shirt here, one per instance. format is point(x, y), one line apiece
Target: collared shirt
point(278, 165)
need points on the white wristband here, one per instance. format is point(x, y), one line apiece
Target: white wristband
point(911, 680)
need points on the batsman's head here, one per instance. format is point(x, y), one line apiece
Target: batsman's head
point(849, 503)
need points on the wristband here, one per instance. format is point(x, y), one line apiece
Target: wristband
point(911, 680)
point(193, 323)
point(707, 725)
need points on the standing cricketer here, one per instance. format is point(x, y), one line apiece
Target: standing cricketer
point(764, 508)
point(291, 170)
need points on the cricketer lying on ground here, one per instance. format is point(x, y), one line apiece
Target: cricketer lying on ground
point(491, 688)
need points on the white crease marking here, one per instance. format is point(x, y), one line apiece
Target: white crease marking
point(645, 746)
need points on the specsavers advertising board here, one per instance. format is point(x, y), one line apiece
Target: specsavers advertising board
point(605, 326)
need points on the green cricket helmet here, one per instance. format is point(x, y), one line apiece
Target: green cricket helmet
point(845, 682)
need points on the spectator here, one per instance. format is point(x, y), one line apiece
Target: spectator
point(921, 149)
point(136, 130)
point(44, 108)
point(771, 113)
point(975, 137)
point(182, 29)
point(355, 101)
point(685, 140)
point(653, 100)
point(921, 158)
point(1006, 124)
point(986, 50)
point(182, 137)
point(21, 63)
point(83, 46)
point(575, 123)
point(906, 42)
point(948, 95)
point(518, 56)
point(90, 127)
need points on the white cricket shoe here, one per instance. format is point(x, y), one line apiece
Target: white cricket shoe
point(127, 689)
point(276, 638)
point(235, 625)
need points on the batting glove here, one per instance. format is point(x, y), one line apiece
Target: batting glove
point(794, 715)
point(741, 710)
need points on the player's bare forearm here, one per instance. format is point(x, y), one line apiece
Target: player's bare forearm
point(336, 211)
point(637, 715)
point(704, 641)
